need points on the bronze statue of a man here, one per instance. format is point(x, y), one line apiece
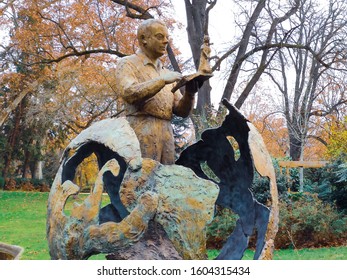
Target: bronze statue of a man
point(145, 85)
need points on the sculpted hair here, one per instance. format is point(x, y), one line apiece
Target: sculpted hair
point(144, 31)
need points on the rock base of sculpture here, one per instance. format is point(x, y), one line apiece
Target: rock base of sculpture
point(154, 245)
point(157, 211)
point(10, 252)
point(162, 211)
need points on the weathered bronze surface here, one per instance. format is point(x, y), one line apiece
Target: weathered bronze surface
point(186, 203)
point(204, 65)
point(80, 235)
point(170, 202)
point(145, 85)
point(161, 211)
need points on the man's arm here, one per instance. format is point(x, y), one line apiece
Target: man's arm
point(184, 105)
point(140, 92)
point(128, 86)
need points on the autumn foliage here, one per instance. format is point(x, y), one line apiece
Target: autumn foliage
point(57, 74)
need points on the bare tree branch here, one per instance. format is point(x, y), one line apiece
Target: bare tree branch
point(323, 113)
point(5, 113)
point(231, 82)
point(142, 13)
point(264, 62)
point(318, 139)
point(207, 14)
point(224, 56)
point(80, 53)
point(102, 25)
point(284, 45)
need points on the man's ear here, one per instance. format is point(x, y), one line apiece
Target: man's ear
point(143, 40)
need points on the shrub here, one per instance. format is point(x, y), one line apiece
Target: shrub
point(330, 183)
point(306, 221)
point(2, 182)
point(10, 184)
point(313, 218)
point(261, 187)
point(342, 173)
point(24, 184)
point(221, 227)
point(339, 188)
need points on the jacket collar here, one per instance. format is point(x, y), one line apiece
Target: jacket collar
point(146, 61)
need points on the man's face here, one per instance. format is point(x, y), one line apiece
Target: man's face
point(157, 40)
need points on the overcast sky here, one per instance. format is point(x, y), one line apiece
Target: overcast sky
point(221, 31)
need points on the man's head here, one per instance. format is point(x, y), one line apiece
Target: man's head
point(152, 36)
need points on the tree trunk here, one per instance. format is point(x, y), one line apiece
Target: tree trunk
point(231, 82)
point(26, 164)
point(196, 17)
point(37, 173)
point(5, 113)
point(295, 147)
point(301, 172)
point(12, 139)
point(204, 97)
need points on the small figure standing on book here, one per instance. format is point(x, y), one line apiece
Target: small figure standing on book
point(204, 71)
point(204, 66)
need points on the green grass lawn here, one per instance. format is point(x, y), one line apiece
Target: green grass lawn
point(333, 253)
point(23, 223)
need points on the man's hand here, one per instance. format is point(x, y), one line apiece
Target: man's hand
point(171, 77)
point(193, 86)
